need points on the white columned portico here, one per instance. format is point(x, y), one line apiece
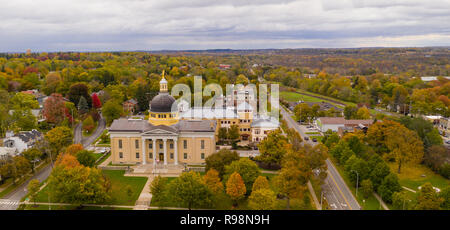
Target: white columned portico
point(144, 157)
point(175, 145)
point(154, 151)
point(165, 150)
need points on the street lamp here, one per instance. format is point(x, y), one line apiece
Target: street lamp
point(357, 179)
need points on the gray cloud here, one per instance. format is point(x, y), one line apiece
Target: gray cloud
point(54, 25)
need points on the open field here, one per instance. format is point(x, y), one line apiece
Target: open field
point(411, 176)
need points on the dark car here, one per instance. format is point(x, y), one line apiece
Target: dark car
point(314, 140)
point(306, 138)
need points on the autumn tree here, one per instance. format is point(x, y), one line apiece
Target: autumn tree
point(58, 138)
point(363, 113)
point(96, 103)
point(404, 145)
point(246, 168)
point(189, 190)
point(73, 149)
point(64, 185)
point(213, 182)
point(33, 189)
point(262, 199)
point(67, 160)
point(236, 188)
point(428, 198)
point(261, 183)
point(54, 109)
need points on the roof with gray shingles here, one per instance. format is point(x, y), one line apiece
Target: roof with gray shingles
point(135, 125)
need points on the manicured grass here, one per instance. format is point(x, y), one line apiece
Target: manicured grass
point(411, 176)
point(96, 155)
point(294, 97)
point(70, 207)
point(119, 183)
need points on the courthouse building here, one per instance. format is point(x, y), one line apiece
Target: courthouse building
point(163, 138)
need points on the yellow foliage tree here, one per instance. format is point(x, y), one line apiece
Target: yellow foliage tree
point(236, 188)
point(260, 183)
point(213, 182)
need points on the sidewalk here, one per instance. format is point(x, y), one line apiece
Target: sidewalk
point(381, 201)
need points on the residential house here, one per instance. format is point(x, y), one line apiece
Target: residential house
point(23, 140)
point(333, 123)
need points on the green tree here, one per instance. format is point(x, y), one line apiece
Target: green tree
point(112, 110)
point(233, 133)
point(223, 134)
point(246, 168)
point(88, 124)
point(445, 196)
point(389, 185)
point(188, 189)
point(262, 199)
point(363, 113)
point(83, 106)
point(428, 198)
point(86, 158)
point(350, 111)
point(401, 201)
point(158, 188)
point(32, 155)
point(220, 159)
point(273, 148)
point(377, 175)
point(366, 188)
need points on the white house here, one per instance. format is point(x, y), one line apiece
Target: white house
point(23, 140)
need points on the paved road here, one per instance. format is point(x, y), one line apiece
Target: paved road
point(11, 201)
point(336, 192)
point(78, 133)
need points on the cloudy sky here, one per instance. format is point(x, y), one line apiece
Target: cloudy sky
point(106, 25)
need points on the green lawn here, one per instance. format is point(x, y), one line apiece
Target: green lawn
point(70, 207)
point(411, 176)
point(118, 184)
point(294, 97)
point(96, 155)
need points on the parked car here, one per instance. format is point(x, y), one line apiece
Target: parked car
point(447, 142)
point(314, 139)
point(306, 138)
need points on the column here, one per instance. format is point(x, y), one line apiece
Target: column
point(154, 151)
point(165, 151)
point(175, 144)
point(144, 157)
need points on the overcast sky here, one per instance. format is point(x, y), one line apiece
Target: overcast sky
point(106, 25)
